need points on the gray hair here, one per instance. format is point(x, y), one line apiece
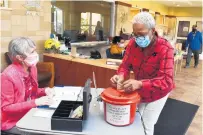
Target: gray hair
point(20, 46)
point(144, 18)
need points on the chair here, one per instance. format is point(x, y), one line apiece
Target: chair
point(108, 53)
point(113, 56)
point(46, 74)
point(45, 71)
point(178, 57)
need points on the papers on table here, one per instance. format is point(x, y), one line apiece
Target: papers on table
point(43, 113)
point(113, 62)
point(66, 93)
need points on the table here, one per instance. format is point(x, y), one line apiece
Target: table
point(71, 71)
point(178, 57)
point(95, 125)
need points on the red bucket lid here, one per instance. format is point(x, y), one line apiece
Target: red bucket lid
point(111, 95)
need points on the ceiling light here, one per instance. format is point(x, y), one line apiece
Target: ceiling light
point(189, 2)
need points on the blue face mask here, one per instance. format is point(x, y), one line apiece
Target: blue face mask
point(143, 41)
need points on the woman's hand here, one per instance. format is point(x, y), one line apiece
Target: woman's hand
point(45, 100)
point(132, 85)
point(116, 81)
point(50, 92)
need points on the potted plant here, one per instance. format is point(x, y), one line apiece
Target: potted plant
point(52, 46)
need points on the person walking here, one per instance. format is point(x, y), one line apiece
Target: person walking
point(193, 45)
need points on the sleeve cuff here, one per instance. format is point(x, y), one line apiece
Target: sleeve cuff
point(33, 103)
point(146, 85)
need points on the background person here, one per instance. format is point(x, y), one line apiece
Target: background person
point(117, 46)
point(193, 45)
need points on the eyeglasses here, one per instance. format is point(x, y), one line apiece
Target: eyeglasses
point(142, 36)
point(139, 37)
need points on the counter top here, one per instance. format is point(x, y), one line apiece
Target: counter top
point(90, 44)
point(93, 62)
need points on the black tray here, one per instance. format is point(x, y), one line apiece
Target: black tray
point(60, 119)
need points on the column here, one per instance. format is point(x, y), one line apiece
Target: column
point(112, 26)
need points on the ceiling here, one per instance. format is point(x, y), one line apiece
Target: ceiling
point(181, 3)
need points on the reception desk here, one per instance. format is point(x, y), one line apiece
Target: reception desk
point(75, 71)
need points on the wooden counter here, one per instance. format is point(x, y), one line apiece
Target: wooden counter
point(75, 71)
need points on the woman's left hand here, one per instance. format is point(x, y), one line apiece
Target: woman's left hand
point(132, 85)
point(50, 92)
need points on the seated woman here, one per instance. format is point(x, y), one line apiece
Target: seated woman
point(19, 87)
point(117, 47)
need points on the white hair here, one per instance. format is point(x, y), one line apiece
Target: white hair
point(20, 46)
point(144, 18)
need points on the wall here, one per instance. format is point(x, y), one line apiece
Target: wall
point(127, 25)
point(165, 10)
point(186, 11)
point(15, 23)
point(192, 20)
point(150, 4)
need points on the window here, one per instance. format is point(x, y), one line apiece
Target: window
point(57, 20)
point(4, 3)
point(89, 22)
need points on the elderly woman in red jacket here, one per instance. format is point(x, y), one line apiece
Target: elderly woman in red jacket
point(151, 58)
point(19, 87)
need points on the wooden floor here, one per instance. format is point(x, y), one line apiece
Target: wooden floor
point(189, 89)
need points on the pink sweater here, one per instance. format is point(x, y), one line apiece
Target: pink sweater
point(14, 104)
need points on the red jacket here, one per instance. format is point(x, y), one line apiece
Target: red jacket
point(13, 99)
point(153, 66)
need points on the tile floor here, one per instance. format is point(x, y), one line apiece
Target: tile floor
point(189, 89)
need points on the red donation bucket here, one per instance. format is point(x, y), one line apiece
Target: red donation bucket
point(119, 107)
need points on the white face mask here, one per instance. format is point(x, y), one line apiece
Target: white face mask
point(32, 59)
point(121, 45)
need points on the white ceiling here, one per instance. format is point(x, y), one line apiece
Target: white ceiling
point(181, 3)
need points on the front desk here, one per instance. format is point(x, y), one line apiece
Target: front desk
point(71, 71)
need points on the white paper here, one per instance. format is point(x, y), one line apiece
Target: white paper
point(111, 63)
point(67, 94)
point(117, 114)
point(185, 28)
point(43, 113)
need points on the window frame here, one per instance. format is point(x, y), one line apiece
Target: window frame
point(55, 20)
point(90, 31)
